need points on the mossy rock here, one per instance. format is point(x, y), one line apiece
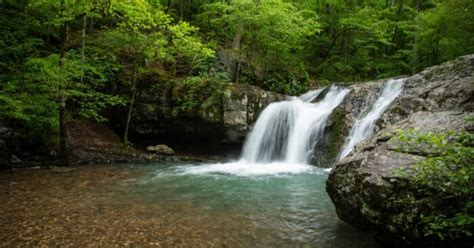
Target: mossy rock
point(327, 148)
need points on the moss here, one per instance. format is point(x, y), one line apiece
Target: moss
point(327, 149)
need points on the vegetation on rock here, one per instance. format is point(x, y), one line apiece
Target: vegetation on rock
point(440, 185)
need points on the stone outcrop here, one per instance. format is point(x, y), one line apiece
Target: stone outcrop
point(222, 120)
point(360, 186)
point(241, 105)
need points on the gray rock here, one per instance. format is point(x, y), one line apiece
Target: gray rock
point(161, 149)
point(357, 103)
point(361, 184)
point(438, 99)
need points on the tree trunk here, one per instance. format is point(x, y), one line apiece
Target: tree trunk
point(130, 109)
point(237, 52)
point(415, 42)
point(168, 6)
point(63, 139)
point(83, 54)
point(181, 10)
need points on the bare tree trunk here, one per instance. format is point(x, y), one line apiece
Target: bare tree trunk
point(415, 42)
point(237, 49)
point(181, 10)
point(83, 54)
point(130, 109)
point(63, 139)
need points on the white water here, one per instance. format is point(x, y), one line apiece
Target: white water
point(283, 137)
point(310, 95)
point(364, 127)
point(287, 131)
point(242, 168)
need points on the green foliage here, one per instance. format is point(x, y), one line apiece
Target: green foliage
point(112, 50)
point(268, 36)
point(198, 93)
point(442, 182)
point(446, 31)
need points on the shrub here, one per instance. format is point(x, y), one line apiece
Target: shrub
point(442, 184)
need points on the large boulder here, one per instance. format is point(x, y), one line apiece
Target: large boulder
point(360, 186)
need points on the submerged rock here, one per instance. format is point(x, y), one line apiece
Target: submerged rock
point(360, 186)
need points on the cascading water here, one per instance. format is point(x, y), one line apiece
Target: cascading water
point(364, 127)
point(287, 131)
point(310, 95)
point(283, 137)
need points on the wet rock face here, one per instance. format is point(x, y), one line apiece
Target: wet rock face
point(447, 87)
point(357, 103)
point(360, 186)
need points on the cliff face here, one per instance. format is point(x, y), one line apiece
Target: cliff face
point(361, 185)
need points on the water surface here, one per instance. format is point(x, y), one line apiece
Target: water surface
point(173, 205)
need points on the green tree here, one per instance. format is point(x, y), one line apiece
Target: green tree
point(446, 32)
point(145, 43)
point(266, 35)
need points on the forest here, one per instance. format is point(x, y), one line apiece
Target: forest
point(63, 57)
point(237, 123)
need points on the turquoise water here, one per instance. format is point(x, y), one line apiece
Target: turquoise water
point(241, 206)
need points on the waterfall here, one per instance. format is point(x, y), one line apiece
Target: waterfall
point(364, 127)
point(310, 95)
point(287, 131)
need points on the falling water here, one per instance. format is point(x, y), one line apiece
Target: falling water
point(282, 139)
point(310, 95)
point(364, 127)
point(287, 131)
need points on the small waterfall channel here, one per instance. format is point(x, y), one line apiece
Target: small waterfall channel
point(364, 127)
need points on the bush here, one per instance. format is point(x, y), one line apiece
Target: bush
point(442, 184)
